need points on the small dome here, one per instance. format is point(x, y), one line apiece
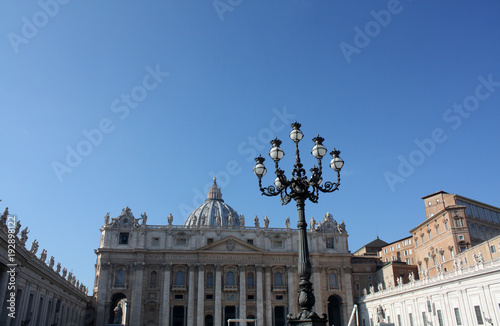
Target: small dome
point(213, 212)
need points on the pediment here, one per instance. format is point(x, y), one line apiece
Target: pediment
point(231, 244)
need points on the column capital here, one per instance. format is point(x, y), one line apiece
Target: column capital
point(218, 268)
point(317, 269)
point(167, 267)
point(201, 267)
point(139, 265)
point(106, 265)
point(192, 267)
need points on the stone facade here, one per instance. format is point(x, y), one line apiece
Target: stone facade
point(214, 267)
point(43, 296)
point(465, 295)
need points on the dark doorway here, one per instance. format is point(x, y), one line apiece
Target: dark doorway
point(116, 309)
point(229, 312)
point(209, 320)
point(178, 316)
point(335, 311)
point(279, 316)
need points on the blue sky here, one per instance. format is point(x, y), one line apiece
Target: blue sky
point(156, 98)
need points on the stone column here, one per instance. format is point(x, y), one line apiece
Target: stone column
point(201, 296)
point(260, 293)
point(101, 294)
point(135, 313)
point(23, 306)
point(218, 296)
point(165, 309)
point(3, 291)
point(269, 293)
point(318, 289)
point(243, 292)
point(191, 312)
point(348, 290)
point(292, 292)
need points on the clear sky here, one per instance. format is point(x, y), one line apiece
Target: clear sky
point(107, 104)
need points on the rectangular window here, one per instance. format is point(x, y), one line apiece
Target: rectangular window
point(399, 320)
point(458, 222)
point(492, 249)
point(440, 318)
point(123, 239)
point(437, 230)
point(392, 248)
point(398, 246)
point(430, 236)
point(411, 319)
point(457, 317)
point(479, 317)
point(424, 317)
point(330, 243)
point(155, 241)
point(416, 242)
point(385, 250)
point(180, 242)
point(210, 241)
point(446, 227)
point(409, 241)
point(250, 241)
point(277, 244)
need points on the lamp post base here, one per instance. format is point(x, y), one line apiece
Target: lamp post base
point(312, 320)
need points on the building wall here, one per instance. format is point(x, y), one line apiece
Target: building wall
point(165, 271)
point(401, 250)
point(43, 296)
point(443, 297)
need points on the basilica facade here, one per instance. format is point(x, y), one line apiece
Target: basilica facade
point(215, 267)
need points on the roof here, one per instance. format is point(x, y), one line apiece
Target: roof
point(377, 243)
point(437, 192)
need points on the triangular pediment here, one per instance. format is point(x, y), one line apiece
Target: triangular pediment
point(231, 244)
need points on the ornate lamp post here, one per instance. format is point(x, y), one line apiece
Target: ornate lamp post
point(300, 188)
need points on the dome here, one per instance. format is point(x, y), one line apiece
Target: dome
point(213, 211)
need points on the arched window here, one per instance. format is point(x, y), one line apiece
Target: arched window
point(179, 278)
point(120, 277)
point(230, 278)
point(153, 279)
point(250, 280)
point(333, 281)
point(278, 279)
point(210, 280)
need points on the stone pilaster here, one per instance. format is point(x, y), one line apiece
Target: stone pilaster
point(218, 295)
point(135, 313)
point(269, 294)
point(166, 295)
point(260, 293)
point(318, 290)
point(200, 313)
point(243, 291)
point(292, 291)
point(191, 314)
